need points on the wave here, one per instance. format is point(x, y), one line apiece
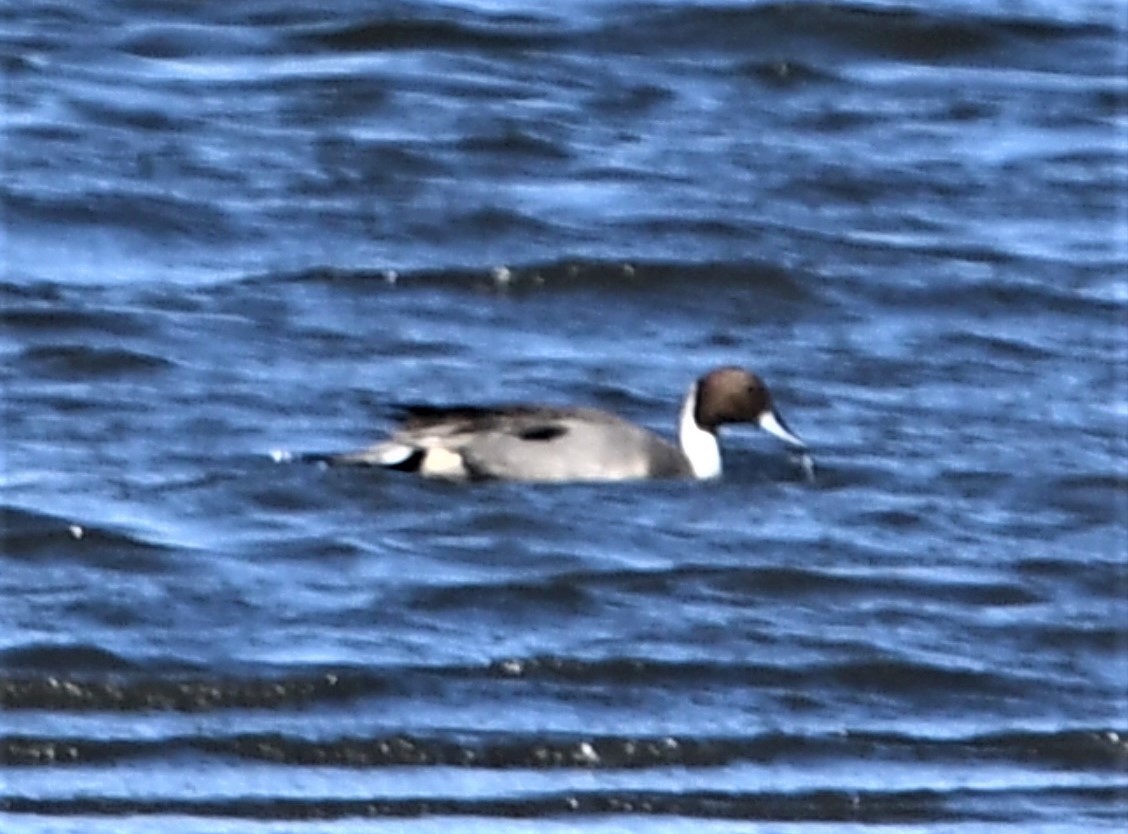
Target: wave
point(1090, 749)
point(870, 807)
point(35, 536)
point(70, 361)
point(899, 31)
point(570, 273)
point(891, 677)
point(903, 32)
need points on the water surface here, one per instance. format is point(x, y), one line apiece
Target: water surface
point(232, 228)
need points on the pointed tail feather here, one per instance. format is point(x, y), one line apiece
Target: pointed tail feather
point(387, 455)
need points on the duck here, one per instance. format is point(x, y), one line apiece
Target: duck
point(530, 442)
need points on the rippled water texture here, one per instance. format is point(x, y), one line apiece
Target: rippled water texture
point(240, 227)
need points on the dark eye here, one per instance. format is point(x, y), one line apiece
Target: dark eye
point(542, 432)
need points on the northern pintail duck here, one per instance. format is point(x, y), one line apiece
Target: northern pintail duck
point(550, 443)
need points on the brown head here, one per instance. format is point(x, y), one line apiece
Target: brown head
point(734, 395)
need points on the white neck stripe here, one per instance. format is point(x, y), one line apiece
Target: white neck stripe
point(699, 445)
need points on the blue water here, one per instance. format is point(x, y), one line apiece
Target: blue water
point(241, 227)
